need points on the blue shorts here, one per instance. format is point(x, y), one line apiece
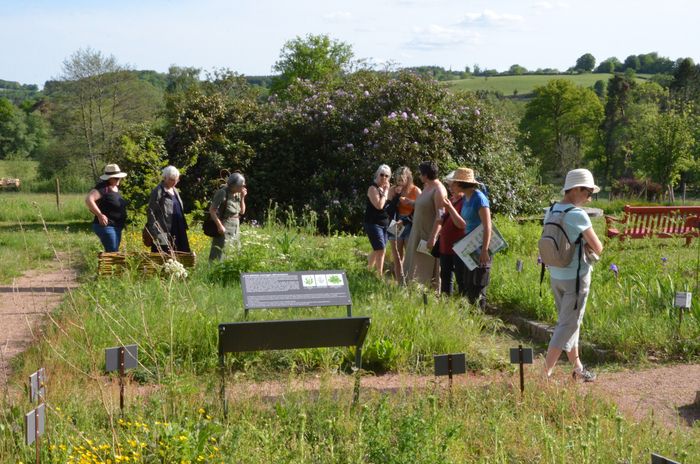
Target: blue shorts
point(377, 236)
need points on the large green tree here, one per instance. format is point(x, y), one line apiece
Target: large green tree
point(585, 63)
point(663, 144)
point(316, 58)
point(94, 101)
point(561, 124)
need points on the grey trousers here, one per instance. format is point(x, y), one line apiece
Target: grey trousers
point(219, 242)
point(566, 332)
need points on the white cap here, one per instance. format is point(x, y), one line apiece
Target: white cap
point(580, 178)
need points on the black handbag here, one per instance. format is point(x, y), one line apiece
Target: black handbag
point(209, 226)
point(436, 249)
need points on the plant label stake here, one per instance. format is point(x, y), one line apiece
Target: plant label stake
point(658, 459)
point(521, 356)
point(37, 386)
point(34, 422)
point(519, 265)
point(449, 365)
point(682, 302)
point(121, 358)
point(425, 299)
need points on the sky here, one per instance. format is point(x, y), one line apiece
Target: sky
point(246, 36)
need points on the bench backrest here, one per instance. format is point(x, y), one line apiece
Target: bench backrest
point(667, 219)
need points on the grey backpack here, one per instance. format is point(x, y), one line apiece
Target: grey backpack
point(555, 247)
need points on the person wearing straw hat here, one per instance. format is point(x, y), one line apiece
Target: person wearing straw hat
point(475, 211)
point(565, 281)
point(109, 208)
point(451, 232)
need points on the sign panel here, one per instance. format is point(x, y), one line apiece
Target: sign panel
point(442, 364)
point(527, 356)
point(295, 289)
point(37, 388)
point(658, 459)
point(682, 299)
point(30, 424)
point(131, 353)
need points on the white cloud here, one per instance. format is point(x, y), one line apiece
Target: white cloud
point(434, 37)
point(338, 16)
point(489, 18)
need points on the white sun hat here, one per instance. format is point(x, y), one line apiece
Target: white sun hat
point(112, 171)
point(580, 178)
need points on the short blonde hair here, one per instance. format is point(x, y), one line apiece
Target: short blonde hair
point(382, 169)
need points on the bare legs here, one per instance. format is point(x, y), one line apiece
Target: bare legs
point(553, 354)
point(397, 251)
point(376, 261)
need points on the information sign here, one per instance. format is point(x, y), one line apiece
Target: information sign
point(295, 289)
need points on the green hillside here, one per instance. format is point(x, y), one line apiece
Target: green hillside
point(508, 85)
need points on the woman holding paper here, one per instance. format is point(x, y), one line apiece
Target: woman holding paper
point(475, 211)
point(419, 264)
point(376, 219)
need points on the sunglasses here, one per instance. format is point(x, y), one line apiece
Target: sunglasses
point(589, 192)
point(383, 175)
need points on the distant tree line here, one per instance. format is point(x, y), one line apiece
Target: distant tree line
point(325, 112)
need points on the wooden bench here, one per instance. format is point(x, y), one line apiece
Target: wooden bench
point(655, 221)
point(10, 184)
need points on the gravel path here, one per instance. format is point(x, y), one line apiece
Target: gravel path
point(23, 305)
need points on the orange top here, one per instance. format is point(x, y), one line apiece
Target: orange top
point(407, 210)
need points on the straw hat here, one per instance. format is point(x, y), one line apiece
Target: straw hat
point(112, 171)
point(580, 178)
point(465, 175)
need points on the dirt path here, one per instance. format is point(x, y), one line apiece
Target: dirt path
point(670, 393)
point(23, 305)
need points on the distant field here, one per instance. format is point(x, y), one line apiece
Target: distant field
point(524, 85)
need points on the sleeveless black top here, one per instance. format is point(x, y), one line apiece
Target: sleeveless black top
point(112, 205)
point(374, 215)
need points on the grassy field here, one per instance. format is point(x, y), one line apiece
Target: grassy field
point(522, 85)
point(173, 413)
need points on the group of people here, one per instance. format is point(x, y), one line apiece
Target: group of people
point(425, 225)
point(166, 226)
point(422, 226)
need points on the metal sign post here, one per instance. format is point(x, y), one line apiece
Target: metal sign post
point(236, 337)
point(449, 365)
point(521, 356)
point(34, 425)
point(37, 386)
point(682, 301)
point(120, 359)
point(519, 265)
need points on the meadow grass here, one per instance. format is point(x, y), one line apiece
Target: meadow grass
point(522, 85)
point(174, 414)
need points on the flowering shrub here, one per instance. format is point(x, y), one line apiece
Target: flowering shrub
point(319, 147)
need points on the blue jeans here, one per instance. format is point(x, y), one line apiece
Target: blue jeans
point(110, 236)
